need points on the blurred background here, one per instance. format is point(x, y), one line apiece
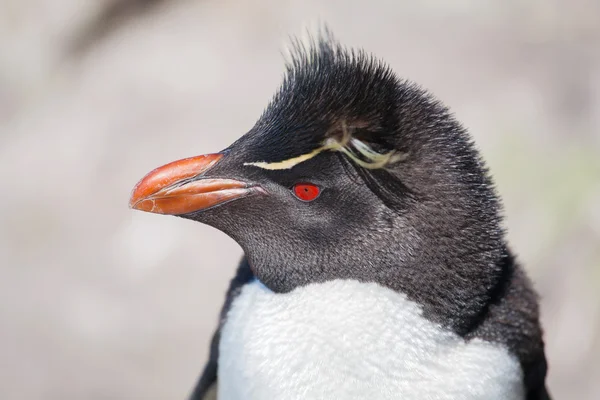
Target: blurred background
point(99, 302)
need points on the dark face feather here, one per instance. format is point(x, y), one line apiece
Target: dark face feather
point(427, 225)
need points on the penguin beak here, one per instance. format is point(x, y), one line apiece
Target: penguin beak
point(177, 188)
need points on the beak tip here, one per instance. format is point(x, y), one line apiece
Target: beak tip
point(135, 197)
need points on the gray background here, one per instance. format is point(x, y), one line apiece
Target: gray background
point(99, 302)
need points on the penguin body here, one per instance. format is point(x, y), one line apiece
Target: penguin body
point(376, 265)
point(350, 340)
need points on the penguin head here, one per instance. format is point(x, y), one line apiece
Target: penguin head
point(350, 173)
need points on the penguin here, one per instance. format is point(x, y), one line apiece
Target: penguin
point(376, 265)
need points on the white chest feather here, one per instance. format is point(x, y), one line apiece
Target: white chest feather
point(348, 340)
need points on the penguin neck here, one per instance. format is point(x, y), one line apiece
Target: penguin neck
point(455, 292)
point(452, 291)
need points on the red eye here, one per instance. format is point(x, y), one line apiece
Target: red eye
point(306, 191)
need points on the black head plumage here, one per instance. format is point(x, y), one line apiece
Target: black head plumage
point(404, 197)
point(326, 90)
point(332, 92)
point(427, 214)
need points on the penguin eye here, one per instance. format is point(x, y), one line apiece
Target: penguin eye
point(306, 191)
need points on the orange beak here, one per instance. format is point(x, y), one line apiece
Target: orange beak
point(171, 189)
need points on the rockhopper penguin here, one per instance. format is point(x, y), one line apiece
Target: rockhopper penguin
point(376, 265)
